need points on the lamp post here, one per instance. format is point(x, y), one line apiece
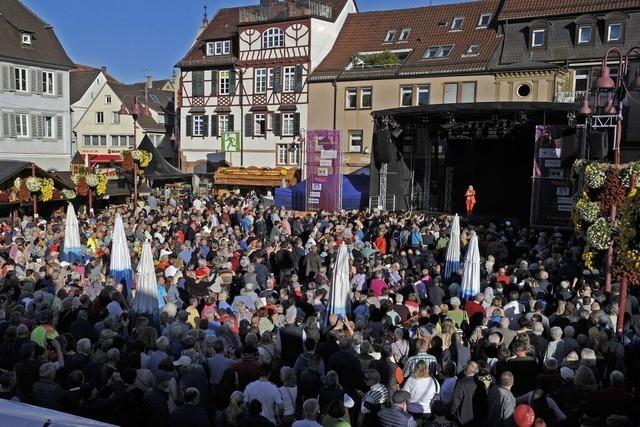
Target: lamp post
point(134, 113)
point(616, 92)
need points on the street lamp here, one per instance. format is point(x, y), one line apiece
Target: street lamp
point(136, 111)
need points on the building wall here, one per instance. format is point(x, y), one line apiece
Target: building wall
point(512, 87)
point(48, 153)
point(386, 94)
point(327, 32)
point(80, 106)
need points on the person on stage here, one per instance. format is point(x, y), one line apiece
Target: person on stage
point(471, 199)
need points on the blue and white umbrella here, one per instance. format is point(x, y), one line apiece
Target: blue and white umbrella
point(120, 266)
point(452, 260)
point(72, 250)
point(146, 298)
point(471, 275)
point(340, 285)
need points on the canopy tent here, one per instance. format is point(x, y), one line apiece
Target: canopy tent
point(452, 260)
point(120, 266)
point(12, 169)
point(471, 276)
point(160, 169)
point(72, 249)
point(18, 414)
point(146, 299)
point(355, 194)
point(340, 285)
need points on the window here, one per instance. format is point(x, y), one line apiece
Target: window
point(289, 79)
point(210, 49)
point(99, 117)
point(450, 93)
point(48, 126)
point(223, 83)
point(26, 39)
point(474, 49)
point(21, 79)
point(456, 25)
point(260, 125)
point(365, 97)
point(223, 123)
point(198, 125)
point(485, 19)
point(355, 141)
point(406, 96)
point(47, 83)
point(391, 34)
point(115, 118)
point(273, 37)
point(614, 32)
point(350, 99)
point(127, 141)
point(468, 92)
point(584, 34)
point(22, 125)
point(282, 154)
point(96, 140)
point(287, 124)
point(581, 81)
point(293, 154)
point(423, 95)
point(438, 52)
point(404, 35)
point(107, 99)
point(261, 80)
point(222, 47)
point(537, 38)
point(523, 90)
point(270, 74)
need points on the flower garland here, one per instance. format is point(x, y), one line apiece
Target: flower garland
point(599, 234)
point(34, 184)
point(68, 194)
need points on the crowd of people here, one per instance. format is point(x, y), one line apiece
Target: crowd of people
point(243, 335)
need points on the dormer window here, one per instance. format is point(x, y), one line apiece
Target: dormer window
point(456, 25)
point(585, 34)
point(473, 50)
point(26, 39)
point(484, 21)
point(391, 34)
point(221, 47)
point(437, 52)
point(404, 35)
point(538, 37)
point(614, 32)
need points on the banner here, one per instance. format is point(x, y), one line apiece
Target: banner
point(324, 170)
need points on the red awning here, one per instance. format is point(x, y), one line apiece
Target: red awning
point(105, 158)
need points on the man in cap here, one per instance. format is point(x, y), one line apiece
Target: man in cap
point(396, 414)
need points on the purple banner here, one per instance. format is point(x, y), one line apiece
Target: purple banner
point(324, 170)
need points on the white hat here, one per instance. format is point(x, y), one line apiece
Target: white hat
point(165, 252)
point(170, 271)
point(183, 361)
point(64, 264)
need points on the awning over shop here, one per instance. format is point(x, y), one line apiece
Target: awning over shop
point(255, 177)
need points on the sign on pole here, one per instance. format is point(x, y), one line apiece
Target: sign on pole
point(324, 170)
point(230, 141)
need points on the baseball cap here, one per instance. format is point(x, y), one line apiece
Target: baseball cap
point(567, 374)
point(400, 396)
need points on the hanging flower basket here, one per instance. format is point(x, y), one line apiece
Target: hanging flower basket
point(34, 184)
point(101, 188)
point(594, 175)
point(599, 234)
point(68, 194)
point(46, 189)
point(92, 180)
point(588, 211)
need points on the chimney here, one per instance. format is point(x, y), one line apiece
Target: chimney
point(104, 69)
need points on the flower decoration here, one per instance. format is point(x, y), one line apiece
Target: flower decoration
point(127, 161)
point(68, 194)
point(34, 184)
point(46, 189)
point(81, 186)
point(4, 197)
point(141, 157)
point(595, 175)
point(92, 180)
point(587, 211)
point(23, 193)
point(578, 167)
point(599, 234)
point(101, 188)
point(633, 169)
point(17, 183)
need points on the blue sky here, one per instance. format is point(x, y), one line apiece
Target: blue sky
point(133, 37)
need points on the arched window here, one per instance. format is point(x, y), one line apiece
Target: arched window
point(273, 37)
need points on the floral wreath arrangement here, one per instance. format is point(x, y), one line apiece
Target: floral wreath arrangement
point(90, 181)
point(23, 189)
point(140, 157)
point(68, 194)
point(606, 186)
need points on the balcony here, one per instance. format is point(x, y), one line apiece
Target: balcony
point(279, 11)
point(575, 96)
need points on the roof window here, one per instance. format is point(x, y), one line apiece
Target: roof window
point(456, 25)
point(391, 35)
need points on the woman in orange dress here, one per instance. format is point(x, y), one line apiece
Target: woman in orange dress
point(471, 199)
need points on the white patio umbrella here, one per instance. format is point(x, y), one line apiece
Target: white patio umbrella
point(120, 266)
point(340, 286)
point(18, 414)
point(452, 259)
point(146, 299)
point(471, 275)
point(72, 249)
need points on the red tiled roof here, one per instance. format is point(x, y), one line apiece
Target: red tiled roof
point(430, 26)
point(521, 9)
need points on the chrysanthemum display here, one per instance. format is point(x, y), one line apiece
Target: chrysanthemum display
point(68, 194)
point(34, 184)
point(599, 234)
point(587, 210)
point(92, 180)
point(46, 189)
point(595, 175)
point(101, 188)
point(632, 169)
point(17, 183)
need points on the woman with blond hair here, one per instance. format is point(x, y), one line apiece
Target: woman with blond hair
point(422, 388)
point(448, 328)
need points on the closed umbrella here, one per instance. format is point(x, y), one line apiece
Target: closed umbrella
point(72, 250)
point(452, 260)
point(471, 275)
point(146, 299)
point(340, 285)
point(120, 265)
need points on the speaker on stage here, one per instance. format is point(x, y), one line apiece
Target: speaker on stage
point(570, 146)
point(382, 146)
point(598, 144)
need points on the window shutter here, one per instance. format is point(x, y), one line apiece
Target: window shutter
point(205, 125)
point(12, 79)
point(40, 78)
point(277, 124)
point(41, 126)
point(33, 80)
point(296, 124)
point(6, 126)
point(232, 82)
point(59, 84)
point(189, 125)
point(214, 125)
point(214, 82)
point(34, 126)
point(59, 123)
point(248, 125)
point(277, 79)
point(231, 124)
point(4, 78)
point(12, 125)
point(297, 86)
point(197, 83)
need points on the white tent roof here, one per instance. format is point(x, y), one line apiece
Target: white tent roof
point(18, 414)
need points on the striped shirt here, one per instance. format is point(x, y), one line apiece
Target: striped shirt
point(413, 360)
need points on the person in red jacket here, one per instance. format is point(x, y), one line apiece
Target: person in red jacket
point(381, 243)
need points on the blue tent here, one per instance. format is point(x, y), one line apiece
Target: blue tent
point(355, 193)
